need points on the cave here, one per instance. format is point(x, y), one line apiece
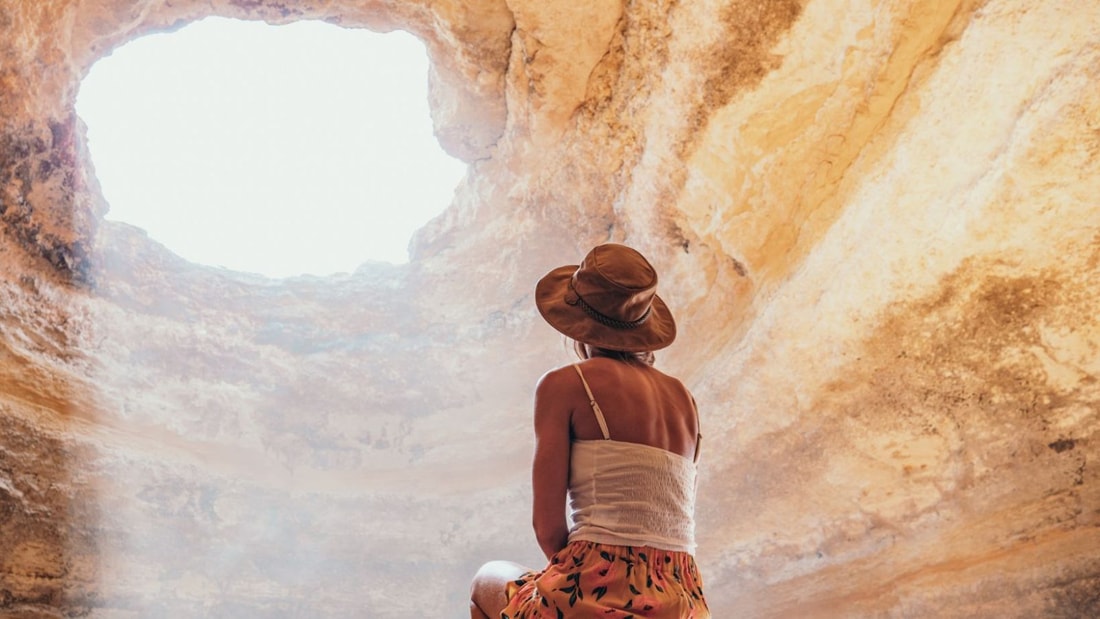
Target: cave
point(875, 222)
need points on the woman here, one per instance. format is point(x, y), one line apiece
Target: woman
point(618, 438)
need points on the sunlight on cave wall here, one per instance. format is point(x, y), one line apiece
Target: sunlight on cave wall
point(876, 224)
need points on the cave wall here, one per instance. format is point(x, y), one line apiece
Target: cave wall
point(876, 222)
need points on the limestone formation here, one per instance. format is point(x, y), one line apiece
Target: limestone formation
point(876, 221)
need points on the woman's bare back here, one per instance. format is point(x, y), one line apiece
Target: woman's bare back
point(640, 405)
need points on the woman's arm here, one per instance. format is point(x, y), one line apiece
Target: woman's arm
point(550, 469)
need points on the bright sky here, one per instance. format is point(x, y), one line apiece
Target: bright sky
point(281, 150)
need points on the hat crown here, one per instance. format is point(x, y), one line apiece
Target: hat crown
point(610, 301)
point(616, 281)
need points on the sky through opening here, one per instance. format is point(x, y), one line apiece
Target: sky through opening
point(280, 150)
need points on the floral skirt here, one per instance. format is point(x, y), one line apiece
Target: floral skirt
point(586, 579)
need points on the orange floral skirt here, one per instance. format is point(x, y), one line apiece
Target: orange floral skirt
point(586, 579)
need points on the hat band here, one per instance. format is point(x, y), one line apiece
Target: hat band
point(609, 321)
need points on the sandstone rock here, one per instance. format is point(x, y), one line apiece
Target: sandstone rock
point(876, 221)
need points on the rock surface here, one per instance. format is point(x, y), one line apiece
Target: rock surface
point(876, 221)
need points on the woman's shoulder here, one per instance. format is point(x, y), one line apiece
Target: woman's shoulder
point(557, 379)
point(556, 373)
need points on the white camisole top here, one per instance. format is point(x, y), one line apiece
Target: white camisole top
point(630, 494)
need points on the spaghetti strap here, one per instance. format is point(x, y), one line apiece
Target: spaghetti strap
point(592, 401)
point(698, 431)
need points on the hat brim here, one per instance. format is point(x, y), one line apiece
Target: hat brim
point(657, 332)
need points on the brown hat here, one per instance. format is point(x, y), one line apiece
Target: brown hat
point(608, 301)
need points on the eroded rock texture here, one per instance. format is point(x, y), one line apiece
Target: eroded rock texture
point(877, 222)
